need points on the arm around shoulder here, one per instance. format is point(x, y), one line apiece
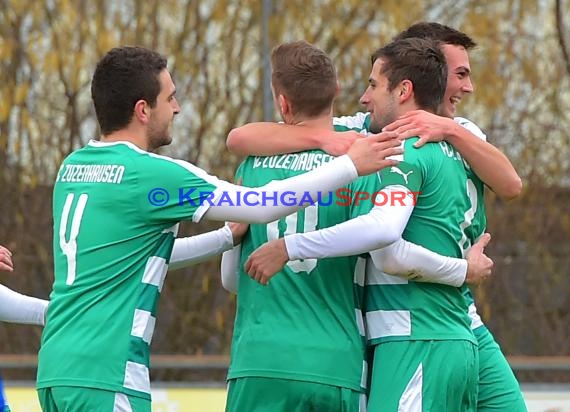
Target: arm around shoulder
point(488, 162)
point(257, 209)
point(267, 138)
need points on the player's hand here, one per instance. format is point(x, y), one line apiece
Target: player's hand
point(369, 154)
point(338, 143)
point(6, 260)
point(428, 126)
point(238, 231)
point(479, 265)
point(267, 260)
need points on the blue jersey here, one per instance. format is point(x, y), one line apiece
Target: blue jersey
point(3, 404)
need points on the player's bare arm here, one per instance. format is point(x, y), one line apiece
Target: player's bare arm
point(488, 162)
point(265, 139)
point(267, 260)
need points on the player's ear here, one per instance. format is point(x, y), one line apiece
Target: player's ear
point(283, 103)
point(406, 90)
point(141, 111)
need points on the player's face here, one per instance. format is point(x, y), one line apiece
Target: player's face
point(160, 124)
point(458, 78)
point(379, 101)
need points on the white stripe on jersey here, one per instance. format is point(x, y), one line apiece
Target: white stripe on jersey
point(360, 321)
point(411, 400)
point(122, 403)
point(362, 403)
point(143, 325)
point(360, 271)
point(376, 277)
point(155, 271)
point(474, 316)
point(137, 377)
point(364, 377)
point(382, 323)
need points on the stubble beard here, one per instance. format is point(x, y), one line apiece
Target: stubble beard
point(159, 138)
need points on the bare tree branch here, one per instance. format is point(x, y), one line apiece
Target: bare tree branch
point(560, 31)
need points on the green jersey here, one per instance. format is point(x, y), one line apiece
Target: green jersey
point(445, 220)
point(361, 122)
point(306, 324)
point(116, 210)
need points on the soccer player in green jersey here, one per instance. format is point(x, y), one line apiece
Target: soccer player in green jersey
point(416, 327)
point(306, 327)
point(116, 210)
point(498, 388)
point(423, 326)
point(298, 345)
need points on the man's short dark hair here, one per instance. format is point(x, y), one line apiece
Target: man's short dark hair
point(439, 32)
point(420, 61)
point(122, 77)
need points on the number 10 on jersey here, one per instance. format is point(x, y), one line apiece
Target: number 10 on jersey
point(309, 224)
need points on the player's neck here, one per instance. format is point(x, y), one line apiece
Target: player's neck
point(127, 135)
point(406, 107)
point(322, 122)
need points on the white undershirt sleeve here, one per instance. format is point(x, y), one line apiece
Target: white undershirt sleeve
point(188, 251)
point(329, 177)
point(18, 308)
point(380, 227)
point(230, 269)
point(416, 263)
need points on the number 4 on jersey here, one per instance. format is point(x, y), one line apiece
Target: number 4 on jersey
point(69, 248)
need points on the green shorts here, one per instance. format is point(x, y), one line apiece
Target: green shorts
point(499, 390)
point(80, 399)
point(254, 394)
point(426, 376)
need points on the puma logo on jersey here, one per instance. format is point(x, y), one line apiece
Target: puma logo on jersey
point(394, 169)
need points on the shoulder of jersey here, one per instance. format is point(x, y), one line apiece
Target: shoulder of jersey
point(472, 127)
